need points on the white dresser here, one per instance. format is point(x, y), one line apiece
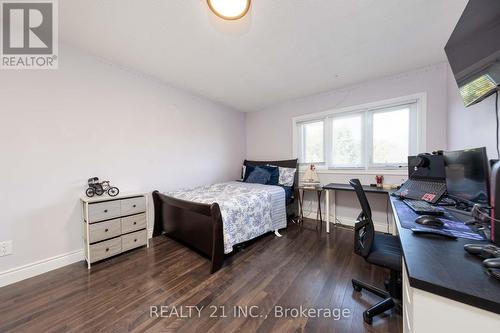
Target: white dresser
point(112, 225)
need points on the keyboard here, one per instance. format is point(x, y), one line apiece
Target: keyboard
point(422, 207)
point(422, 190)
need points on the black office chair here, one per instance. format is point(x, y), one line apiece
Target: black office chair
point(378, 249)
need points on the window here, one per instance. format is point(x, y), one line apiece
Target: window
point(376, 136)
point(312, 135)
point(391, 137)
point(347, 141)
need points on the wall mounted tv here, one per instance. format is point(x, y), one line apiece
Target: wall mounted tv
point(473, 51)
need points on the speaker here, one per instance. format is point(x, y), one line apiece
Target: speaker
point(495, 203)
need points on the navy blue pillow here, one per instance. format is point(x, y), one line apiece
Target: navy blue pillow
point(259, 176)
point(248, 171)
point(288, 193)
point(274, 173)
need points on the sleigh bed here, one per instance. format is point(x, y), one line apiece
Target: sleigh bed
point(213, 219)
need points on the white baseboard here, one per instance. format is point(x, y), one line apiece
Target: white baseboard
point(39, 267)
point(42, 266)
point(379, 226)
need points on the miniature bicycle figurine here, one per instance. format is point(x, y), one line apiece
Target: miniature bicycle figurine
point(99, 188)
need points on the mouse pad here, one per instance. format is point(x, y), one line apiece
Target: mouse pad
point(407, 217)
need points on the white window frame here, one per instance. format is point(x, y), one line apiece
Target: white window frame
point(330, 119)
point(301, 139)
point(417, 124)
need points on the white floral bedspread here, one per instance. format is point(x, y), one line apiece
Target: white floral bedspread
point(248, 210)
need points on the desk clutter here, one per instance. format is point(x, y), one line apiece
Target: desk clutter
point(461, 181)
point(490, 254)
point(450, 223)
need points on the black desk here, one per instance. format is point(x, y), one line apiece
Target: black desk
point(442, 267)
point(347, 187)
point(332, 187)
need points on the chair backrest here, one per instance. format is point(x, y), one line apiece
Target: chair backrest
point(364, 231)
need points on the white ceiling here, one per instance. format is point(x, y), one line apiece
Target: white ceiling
point(284, 49)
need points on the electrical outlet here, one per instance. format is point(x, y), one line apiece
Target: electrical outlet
point(5, 248)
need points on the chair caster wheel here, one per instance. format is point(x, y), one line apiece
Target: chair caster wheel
point(367, 319)
point(356, 287)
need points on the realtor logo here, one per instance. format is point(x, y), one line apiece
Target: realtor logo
point(29, 34)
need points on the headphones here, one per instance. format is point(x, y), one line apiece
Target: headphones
point(480, 215)
point(422, 161)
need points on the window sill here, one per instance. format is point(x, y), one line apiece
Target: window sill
point(396, 172)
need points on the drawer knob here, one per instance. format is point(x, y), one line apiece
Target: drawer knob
point(134, 206)
point(107, 249)
point(105, 210)
point(135, 223)
point(106, 230)
point(135, 240)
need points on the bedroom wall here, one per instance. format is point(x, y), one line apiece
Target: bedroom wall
point(473, 126)
point(269, 132)
point(89, 118)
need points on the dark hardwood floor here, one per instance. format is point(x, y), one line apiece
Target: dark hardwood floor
point(303, 268)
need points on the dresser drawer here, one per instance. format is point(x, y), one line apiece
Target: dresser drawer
point(104, 230)
point(133, 223)
point(104, 211)
point(133, 205)
point(105, 249)
point(134, 240)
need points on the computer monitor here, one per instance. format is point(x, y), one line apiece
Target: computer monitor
point(467, 175)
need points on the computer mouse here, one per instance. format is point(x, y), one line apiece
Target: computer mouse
point(430, 221)
point(492, 263)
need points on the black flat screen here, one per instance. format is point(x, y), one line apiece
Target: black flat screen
point(467, 175)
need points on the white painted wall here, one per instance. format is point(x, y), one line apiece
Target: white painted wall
point(473, 126)
point(89, 118)
point(269, 132)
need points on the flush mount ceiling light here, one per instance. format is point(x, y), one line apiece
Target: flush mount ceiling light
point(229, 9)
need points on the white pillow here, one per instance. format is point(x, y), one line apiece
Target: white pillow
point(243, 170)
point(287, 176)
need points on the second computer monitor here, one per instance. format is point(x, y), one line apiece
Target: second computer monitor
point(467, 175)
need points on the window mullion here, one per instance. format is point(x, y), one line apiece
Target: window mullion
point(413, 131)
point(368, 132)
point(302, 144)
point(328, 144)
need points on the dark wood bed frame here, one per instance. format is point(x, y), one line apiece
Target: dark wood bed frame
point(198, 225)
